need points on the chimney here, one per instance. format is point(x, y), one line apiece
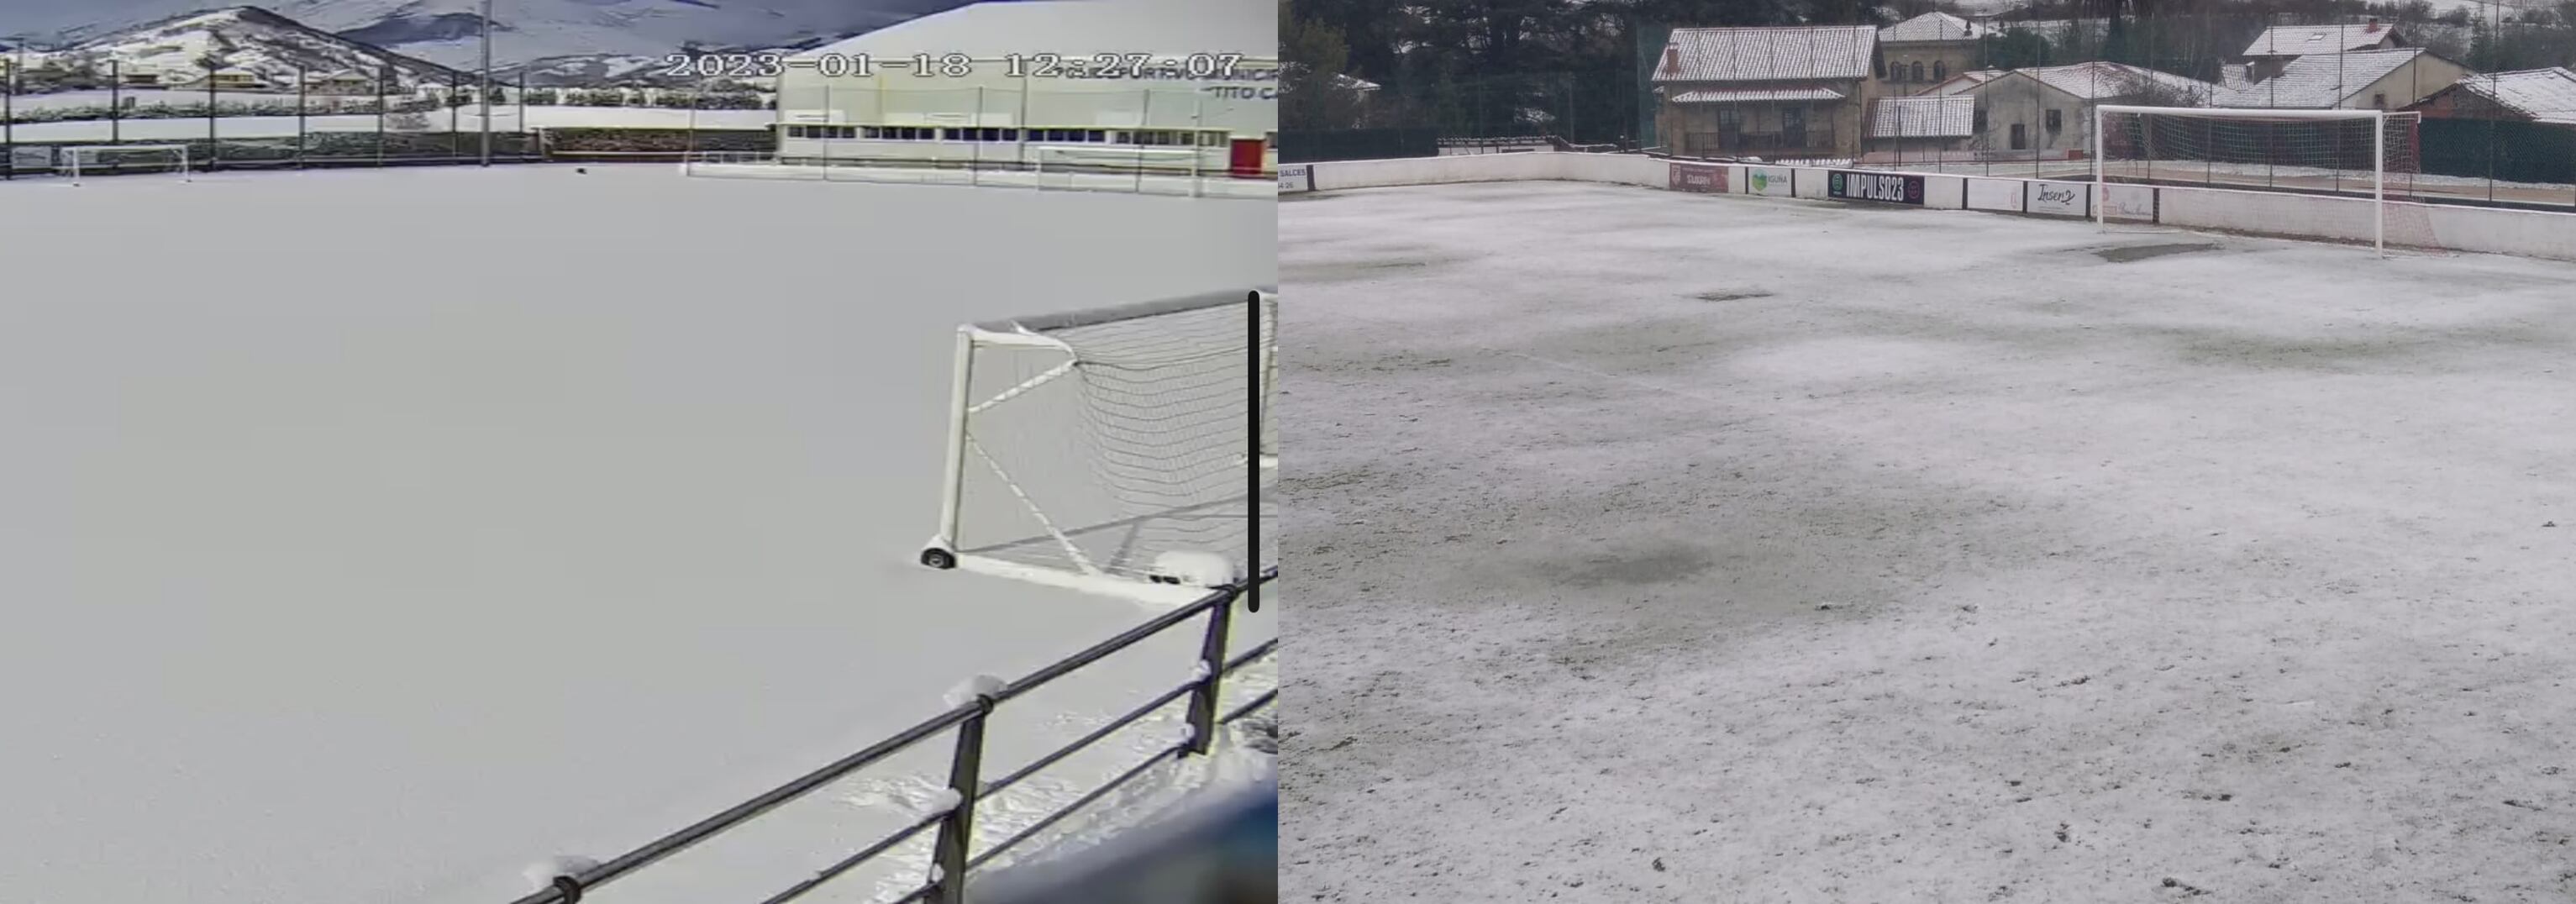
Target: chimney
point(1672, 59)
point(2374, 26)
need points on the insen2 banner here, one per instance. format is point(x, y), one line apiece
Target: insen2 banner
point(1699, 177)
point(1891, 188)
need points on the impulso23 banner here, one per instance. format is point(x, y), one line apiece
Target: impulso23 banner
point(1889, 188)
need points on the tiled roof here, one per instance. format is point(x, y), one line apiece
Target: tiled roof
point(2545, 95)
point(1756, 95)
point(1767, 54)
point(1923, 117)
point(2301, 40)
point(2099, 80)
point(1933, 26)
point(2319, 82)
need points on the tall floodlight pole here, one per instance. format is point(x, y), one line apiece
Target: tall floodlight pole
point(483, 94)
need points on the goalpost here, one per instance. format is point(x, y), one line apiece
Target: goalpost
point(1109, 450)
point(2351, 153)
point(92, 158)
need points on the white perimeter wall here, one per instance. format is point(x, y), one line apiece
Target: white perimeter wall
point(2482, 229)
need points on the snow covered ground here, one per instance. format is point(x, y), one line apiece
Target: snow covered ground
point(331, 581)
point(1700, 547)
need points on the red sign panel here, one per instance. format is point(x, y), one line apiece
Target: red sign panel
point(1706, 178)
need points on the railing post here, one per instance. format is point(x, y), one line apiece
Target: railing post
point(1212, 672)
point(957, 832)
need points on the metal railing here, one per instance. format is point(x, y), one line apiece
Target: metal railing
point(951, 858)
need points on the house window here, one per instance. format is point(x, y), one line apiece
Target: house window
point(1793, 127)
point(2055, 121)
point(2379, 101)
point(1940, 70)
point(1980, 123)
point(1880, 65)
point(2020, 140)
point(1730, 127)
point(1918, 70)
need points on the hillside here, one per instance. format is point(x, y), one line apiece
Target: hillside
point(263, 43)
point(446, 32)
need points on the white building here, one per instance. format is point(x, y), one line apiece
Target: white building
point(1167, 84)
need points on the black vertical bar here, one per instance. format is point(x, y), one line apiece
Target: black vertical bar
point(9, 117)
point(382, 70)
point(302, 87)
point(1212, 648)
point(1255, 392)
point(115, 101)
point(454, 85)
point(948, 854)
point(214, 144)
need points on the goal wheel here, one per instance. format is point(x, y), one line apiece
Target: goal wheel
point(939, 558)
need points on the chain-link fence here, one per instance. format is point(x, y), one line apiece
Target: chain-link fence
point(2006, 96)
point(235, 120)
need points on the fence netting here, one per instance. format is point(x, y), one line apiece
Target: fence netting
point(2006, 95)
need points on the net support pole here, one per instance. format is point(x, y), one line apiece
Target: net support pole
point(1257, 403)
point(953, 487)
point(2101, 183)
point(2379, 182)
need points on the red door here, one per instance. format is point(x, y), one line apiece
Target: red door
point(1245, 160)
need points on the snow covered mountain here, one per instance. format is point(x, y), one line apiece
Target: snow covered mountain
point(445, 31)
point(263, 43)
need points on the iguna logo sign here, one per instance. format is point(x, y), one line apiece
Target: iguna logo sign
point(1886, 187)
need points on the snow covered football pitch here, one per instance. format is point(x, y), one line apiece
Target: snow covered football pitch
point(370, 536)
point(1668, 547)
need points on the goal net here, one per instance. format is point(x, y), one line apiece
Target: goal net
point(2368, 157)
point(1110, 450)
point(82, 161)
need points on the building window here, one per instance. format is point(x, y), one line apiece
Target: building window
point(1880, 65)
point(2054, 121)
point(2020, 140)
point(1730, 127)
point(2379, 101)
point(1980, 120)
point(1918, 70)
point(1940, 70)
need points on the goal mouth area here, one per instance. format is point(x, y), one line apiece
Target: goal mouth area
point(1114, 450)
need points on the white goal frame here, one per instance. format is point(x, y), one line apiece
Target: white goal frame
point(2378, 153)
point(942, 552)
point(73, 152)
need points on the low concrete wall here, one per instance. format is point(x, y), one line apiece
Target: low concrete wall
point(2476, 229)
point(1342, 174)
point(2311, 216)
point(1994, 194)
point(1619, 169)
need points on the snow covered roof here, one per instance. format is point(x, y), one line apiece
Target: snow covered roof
point(2319, 82)
point(1932, 26)
point(2101, 80)
point(991, 29)
point(1963, 82)
point(2545, 95)
point(2056, 29)
point(2301, 40)
point(1756, 95)
point(1767, 54)
point(1952, 116)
